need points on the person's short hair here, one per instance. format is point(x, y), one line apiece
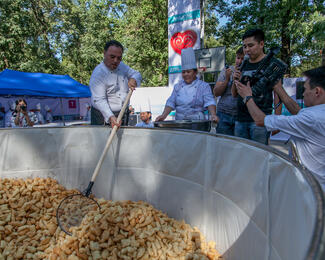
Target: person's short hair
point(316, 77)
point(257, 33)
point(19, 100)
point(113, 43)
point(240, 51)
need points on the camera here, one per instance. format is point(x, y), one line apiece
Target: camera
point(269, 71)
point(23, 108)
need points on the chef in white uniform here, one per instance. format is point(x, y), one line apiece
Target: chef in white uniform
point(190, 96)
point(48, 115)
point(145, 116)
point(39, 115)
point(109, 85)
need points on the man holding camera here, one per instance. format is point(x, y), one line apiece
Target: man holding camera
point(245, 127)
point(306, 126)
point(21, 117)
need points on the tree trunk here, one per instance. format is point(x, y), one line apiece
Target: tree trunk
point(323, 56)
point(261, 18)
point(285, 41)
point(6, 62)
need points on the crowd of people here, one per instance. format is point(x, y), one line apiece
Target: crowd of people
point(18, 115)
point(247, 108)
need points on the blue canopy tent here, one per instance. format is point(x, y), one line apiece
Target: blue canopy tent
point(42, 85)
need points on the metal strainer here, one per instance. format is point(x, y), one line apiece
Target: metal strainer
point(72, 209)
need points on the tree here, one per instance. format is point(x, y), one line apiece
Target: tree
point(82, 30)
point(143, 31)
point(24, 36)
point(287, 24)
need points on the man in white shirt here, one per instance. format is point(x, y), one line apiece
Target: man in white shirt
point(306, 126)
point(109, 85)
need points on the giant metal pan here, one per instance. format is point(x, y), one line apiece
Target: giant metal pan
point(249, 198)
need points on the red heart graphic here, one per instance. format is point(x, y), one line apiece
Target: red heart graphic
point(183, 40)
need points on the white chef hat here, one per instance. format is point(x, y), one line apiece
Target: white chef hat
point(47, 108)
point(145, 106)
point(38, 106)
point(13, 106)
point(188, 59)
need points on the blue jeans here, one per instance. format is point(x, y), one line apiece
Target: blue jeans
point(251, 131)
point(226, 124)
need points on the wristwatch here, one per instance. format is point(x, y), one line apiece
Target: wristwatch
point(245, 100)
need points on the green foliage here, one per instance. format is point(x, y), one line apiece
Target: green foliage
point(68, 37)
point(143, 31)
point(290, 24)
point(24, 36)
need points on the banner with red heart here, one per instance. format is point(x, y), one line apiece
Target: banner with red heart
point(182, 40)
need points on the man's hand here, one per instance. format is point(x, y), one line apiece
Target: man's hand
point(132, 84)
point(160, 118)
point(214, 118)
point(228, 74)
point(237, 74)
point(113, 121)
point(242, 89)
point(275, 132)
point(24, 112)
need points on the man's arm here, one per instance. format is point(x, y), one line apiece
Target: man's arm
point(256, 113)
point(222, 82)
point(166, 112)
point(277, 101)
point(98, 96)
point(290, 104)
point(131, 74)
point(237, 75)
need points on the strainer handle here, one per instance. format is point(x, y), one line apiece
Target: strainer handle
point(108, 143)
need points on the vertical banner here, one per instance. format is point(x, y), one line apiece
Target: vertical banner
point(184, 28)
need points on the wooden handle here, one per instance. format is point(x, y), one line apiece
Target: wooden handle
point(110, 138)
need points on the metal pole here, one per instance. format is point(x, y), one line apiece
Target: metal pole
point(202, 24)
point(62, 114)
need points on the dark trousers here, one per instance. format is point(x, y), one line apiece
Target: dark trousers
point(98, 119)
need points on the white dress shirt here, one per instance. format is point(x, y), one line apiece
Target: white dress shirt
point(307, 129)
point(109, 88)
